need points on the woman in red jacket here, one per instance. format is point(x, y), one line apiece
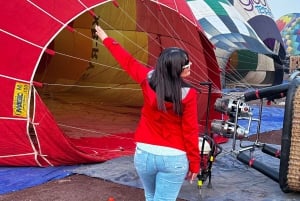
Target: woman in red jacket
point(166, 138)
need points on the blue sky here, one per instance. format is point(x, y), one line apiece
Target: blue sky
point(282, 7)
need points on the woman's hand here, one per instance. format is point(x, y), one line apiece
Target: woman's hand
point(191, 176)
point(100, 32)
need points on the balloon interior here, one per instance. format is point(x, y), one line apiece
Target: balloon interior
point(236, 108)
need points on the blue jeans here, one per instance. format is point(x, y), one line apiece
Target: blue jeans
point(161, 176)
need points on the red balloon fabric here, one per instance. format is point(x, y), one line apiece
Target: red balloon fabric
point(52, 64)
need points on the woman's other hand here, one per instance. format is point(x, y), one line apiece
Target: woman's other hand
point(191, 176)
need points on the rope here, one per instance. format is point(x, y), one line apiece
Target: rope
point(95, 87)
point(21, 39)
point(93, 131)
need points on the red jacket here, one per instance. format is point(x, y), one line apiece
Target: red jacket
point(158, 127)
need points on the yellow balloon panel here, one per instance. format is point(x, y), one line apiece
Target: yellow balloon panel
point(70, 60)
point(83, 67)
point(117, 18)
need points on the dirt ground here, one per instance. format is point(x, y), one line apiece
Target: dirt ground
point(84, 188)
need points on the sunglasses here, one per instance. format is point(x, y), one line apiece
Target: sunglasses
point(187, 66)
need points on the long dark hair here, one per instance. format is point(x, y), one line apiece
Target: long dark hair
point(166, 80)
